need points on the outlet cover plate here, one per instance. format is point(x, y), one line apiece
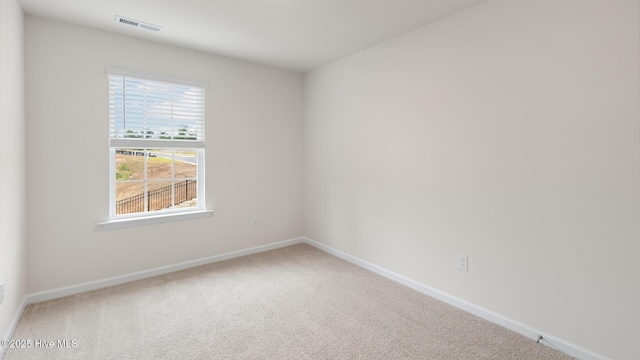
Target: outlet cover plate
point(463, 262)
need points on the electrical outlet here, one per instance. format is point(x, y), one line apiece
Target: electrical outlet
point(2, 292)
point(463, 262)
point(254, 222)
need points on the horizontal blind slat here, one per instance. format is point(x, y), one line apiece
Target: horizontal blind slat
point(155, 143)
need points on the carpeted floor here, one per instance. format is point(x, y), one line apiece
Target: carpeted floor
point(293, 303)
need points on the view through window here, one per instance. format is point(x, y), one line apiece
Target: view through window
point(170, 176)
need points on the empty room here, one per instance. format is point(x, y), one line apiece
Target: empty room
point(320, 179)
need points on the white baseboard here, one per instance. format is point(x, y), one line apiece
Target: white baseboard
point(117, 280)
point(12, 325)
point(547, 339)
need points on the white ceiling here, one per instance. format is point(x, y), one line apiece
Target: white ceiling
point(298, 35)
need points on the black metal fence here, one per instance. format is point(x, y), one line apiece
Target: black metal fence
point(158, 199)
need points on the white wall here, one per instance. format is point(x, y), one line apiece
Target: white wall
point(509, 132)
point(253, 156)
point(13, 240)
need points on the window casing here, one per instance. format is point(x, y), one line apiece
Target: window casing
point(156, 144)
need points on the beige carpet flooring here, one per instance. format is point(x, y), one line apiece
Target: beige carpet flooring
point(292, 303)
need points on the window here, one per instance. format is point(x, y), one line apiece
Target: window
point(156, 143)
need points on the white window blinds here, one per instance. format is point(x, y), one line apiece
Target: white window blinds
point(151, 111)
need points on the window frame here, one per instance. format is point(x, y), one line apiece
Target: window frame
point(148, 217)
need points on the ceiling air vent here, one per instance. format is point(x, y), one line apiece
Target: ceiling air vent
point(136, 23)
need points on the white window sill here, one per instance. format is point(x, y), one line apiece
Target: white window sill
point(155, 219)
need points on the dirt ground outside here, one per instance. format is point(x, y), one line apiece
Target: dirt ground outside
point(131, 167)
